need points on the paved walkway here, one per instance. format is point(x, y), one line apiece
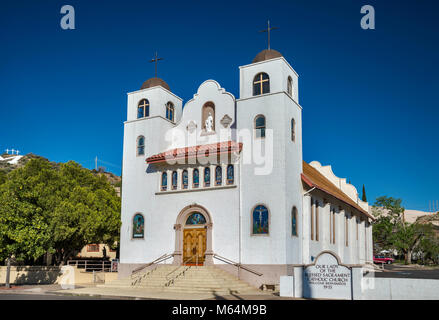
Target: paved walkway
point(141, 293)
point(91, 291)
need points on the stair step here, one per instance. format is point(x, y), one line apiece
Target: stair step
point(205, 279)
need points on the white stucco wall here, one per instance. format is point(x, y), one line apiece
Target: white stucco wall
point(230, 207)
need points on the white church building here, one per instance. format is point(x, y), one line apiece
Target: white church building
point(222, 179)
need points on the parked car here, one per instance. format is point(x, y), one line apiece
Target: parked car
point(383, 259)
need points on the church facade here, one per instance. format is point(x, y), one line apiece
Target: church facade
point(223, 179)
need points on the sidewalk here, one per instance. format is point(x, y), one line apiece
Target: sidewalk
point(91, 290)
point(141, 293)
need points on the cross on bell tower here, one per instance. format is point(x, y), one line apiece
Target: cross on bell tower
point(268, 32)
point(156, 60)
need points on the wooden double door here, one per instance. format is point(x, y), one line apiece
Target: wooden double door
point(194, 245)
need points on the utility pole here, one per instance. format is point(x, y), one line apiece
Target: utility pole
point(96, 163)
point(8, 272)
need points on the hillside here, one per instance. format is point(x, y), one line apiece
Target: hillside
point(10, 162)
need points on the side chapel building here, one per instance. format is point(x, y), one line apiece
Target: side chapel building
point(200, 211)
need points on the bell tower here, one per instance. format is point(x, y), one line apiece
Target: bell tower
point(269, 108)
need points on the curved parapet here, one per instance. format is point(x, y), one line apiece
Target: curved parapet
point(340, 183)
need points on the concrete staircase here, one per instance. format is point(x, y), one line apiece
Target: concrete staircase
point(191, 279)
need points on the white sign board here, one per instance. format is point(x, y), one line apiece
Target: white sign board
point(327, 279)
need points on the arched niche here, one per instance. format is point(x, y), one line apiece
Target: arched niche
point(208, 117)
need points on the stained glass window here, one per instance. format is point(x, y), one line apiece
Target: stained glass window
point(196, 218)
point(207, 177)
point(196, 178)
point(185, 179)
point(164, 181)
point(140, 145)
point(230, 174)
point(174, 180)
point(260, 220)
point(218, 176)
point(138, 226)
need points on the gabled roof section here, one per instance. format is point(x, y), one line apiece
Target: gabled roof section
point(314, 179)
point(196, 151)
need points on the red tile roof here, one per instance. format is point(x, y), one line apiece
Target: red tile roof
point(201, 150)
point(314, 179)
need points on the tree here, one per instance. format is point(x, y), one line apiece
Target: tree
point(363, 198)
point(88, 212)
point(24, 231)
point(391, 231)
point(53, 208)
point(2, 177)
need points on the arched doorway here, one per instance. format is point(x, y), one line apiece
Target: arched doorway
point(193, 236)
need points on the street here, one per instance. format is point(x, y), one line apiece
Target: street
point(411, 272)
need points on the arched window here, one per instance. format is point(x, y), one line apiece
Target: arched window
point(293, 130)
point(138, 226)
point(260, 220)
point(140, 145)
point(164, 181)
point(143, 109)
point(294, 222)
point(185, 179)
point(207, 177)
point(195, 218)
point(196, 178)
point(174, 180)
point(170, 111)
point(290, 86)
point(260, 126)
point(218, 176)
point(261, 84)
point(230, 174)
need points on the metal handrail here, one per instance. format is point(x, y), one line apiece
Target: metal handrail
point(90, 264)
point(183, 264)
point(168, 282)
point(236, 264)
point(162, 258)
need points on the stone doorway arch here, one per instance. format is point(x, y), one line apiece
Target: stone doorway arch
point(180, 226)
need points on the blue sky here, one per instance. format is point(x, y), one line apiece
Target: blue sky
point(368, 96)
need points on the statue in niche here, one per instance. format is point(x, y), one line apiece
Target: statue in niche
point(208, 117)
point(209, 123)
